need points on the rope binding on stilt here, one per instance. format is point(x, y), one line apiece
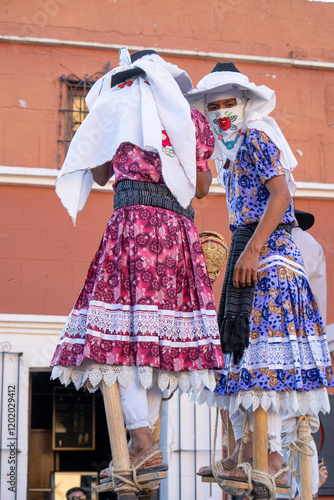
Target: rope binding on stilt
point(295, 446)
point(253, 477)
point(126, 480)
point(121, 482)
point(217, 465)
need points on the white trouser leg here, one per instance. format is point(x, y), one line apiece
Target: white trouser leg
point(314, 468)
point(140, 406)
point(274, 431)
point(154, 397)
point(274, 428)
point(237, 421)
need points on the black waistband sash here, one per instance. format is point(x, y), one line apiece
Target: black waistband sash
point(236, 303)
point(130, 192)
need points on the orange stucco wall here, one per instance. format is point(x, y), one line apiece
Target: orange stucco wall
point(283, 28)
point(29, 104)
point(43, 258)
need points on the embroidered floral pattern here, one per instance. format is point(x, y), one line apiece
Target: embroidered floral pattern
point(167, 148)
point(288, 349)
point(226, 123)
point(247, 177)
point(128, 83)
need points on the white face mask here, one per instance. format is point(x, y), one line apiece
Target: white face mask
point(227, 127)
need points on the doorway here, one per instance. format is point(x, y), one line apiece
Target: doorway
point(79, 415)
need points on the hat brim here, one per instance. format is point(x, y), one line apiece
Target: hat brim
point(305, 219)
point(224, 82)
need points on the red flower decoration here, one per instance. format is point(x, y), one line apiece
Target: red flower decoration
point(224, 123)
point(165, 139)
point(128, 84)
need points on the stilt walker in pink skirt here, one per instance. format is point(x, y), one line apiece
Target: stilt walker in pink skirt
point(145, 316)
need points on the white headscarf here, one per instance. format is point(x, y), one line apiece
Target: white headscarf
point(227, 123)
point(261, 101)
point(136, 114)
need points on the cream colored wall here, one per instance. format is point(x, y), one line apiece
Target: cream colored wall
point(36, 339)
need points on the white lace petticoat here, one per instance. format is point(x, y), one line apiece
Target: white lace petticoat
point(90, 375)
point(302, 403)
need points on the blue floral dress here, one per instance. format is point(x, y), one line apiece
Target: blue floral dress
point(288, 350)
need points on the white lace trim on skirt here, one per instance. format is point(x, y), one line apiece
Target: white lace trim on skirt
point(90, 375)
point(302, 403)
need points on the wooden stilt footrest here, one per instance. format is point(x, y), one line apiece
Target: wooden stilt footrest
point(148, 495)
point(241, 484)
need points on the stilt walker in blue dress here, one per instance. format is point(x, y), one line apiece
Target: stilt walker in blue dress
point(271, 330)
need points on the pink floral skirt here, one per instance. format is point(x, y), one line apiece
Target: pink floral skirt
point(147, 299)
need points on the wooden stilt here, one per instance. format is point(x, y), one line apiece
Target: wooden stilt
point(231, 440)
point(260, 440)
point(260, 454)
point(153, 495)
point(149, 495)
point(117, 433)
point(157, 427)
point(231, 448)
point(260, 449)
point(304, 434)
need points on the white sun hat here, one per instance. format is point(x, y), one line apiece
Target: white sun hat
point(226, 78)
point(261, 100)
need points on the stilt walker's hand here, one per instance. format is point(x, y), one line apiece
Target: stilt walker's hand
point(245, 271)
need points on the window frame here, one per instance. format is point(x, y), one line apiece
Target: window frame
point(71, 87)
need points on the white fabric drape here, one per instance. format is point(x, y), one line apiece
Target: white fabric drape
point(315, 265)
point(137, 113)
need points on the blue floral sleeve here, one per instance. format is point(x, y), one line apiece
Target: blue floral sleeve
point(265, 155)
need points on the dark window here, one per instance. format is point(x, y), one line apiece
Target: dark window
point(72, 108)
